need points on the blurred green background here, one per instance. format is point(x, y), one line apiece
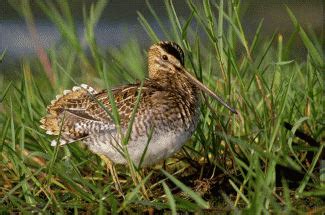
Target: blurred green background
point(119, 23)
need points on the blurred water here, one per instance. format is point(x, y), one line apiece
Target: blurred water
point(16, 38)
point(119, 23)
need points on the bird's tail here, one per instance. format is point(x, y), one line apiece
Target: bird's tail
point(55, 122)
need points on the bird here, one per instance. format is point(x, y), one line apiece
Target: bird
point(160, 113)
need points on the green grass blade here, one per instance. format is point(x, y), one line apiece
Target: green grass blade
point(170, 198)
point(306, 178)
point(187, 190)
point(5, 91)
point(2, 56)
point(317, 57)
point(131, 196)
point(151, 33)
point(157, 18)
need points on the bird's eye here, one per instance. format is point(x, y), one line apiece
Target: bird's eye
point(164, 57)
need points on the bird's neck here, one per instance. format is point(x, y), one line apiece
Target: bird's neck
point(179, 84)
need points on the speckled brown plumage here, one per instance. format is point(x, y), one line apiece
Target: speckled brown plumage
point(166, 116)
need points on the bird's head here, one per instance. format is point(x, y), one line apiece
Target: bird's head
point(166, 60)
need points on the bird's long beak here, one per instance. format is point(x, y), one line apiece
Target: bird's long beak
point(206, 90)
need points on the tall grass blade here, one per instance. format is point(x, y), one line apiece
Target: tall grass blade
point(187, 190)
point(317, 57)
point(151, 33)
point(170, 198)
point(131, 196)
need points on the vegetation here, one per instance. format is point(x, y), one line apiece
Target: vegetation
point(265, 159)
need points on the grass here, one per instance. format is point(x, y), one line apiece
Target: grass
point(248, 163)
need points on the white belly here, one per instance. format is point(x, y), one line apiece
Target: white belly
point(166, 139)
point(162, 145)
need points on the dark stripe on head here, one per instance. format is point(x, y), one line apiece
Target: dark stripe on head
point(173, 49)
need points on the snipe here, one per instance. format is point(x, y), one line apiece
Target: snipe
point(166, 117)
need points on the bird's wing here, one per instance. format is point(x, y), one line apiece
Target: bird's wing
point(82, 111)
